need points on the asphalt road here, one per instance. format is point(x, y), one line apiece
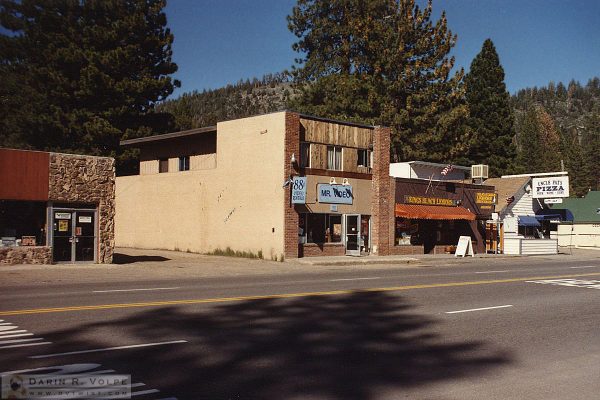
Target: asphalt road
point(523, 328)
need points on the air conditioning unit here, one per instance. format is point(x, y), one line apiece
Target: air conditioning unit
point(479, 171)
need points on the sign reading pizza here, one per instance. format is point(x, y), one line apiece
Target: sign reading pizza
point(550, 187)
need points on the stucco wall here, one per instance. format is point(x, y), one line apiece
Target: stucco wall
point(580, 235)
point(238, 205)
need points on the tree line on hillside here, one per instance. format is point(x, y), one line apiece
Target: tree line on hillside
point(243, 99)
point(81, 75)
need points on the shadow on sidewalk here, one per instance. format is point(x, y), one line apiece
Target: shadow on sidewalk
point(120, 258)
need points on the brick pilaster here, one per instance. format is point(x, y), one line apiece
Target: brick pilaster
point(383, 196)
point(290, 216)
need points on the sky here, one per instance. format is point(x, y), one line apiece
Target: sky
point(222, 41)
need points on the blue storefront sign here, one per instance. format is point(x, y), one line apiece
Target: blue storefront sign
point(299, 190)
point(334, 194)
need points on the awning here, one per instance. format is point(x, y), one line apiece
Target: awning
point(526, 220)
point(433, 212)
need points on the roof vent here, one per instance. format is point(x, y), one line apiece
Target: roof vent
point(479, 171)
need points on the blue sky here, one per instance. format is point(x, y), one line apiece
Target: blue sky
point(221, 41)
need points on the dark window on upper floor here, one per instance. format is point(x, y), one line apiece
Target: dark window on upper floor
point(304, 155)
point(184, 163)
point(163, 165)
point(364, 158)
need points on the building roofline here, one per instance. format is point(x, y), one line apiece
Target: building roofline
point(164, 136)
point(333, 121)
point(432, 164)
point(536, 174)
point(55, 152)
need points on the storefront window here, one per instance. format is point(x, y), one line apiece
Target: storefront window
point(22, 223)
point(407, 232)
point(322, 228)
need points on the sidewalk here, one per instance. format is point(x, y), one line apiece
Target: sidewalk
point(135, 264)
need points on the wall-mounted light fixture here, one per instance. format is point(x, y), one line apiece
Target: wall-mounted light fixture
point(346, 181)
point(332, 181)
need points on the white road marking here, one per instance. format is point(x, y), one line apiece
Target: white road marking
point(8, 328)
point(492, 272)
point(18, 335)
point(135, 290)
point(24, 345)
point(133, 346)
point(2, 334)
point(20, 340)
point(478, 309)
point(5, 323)
point(354, 279)
point(580, 283)
point(586, 266)
point(133, 394)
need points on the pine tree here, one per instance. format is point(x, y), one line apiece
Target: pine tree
point(490, 113)
point(382, 62)
point(92, 69)
point(529, 159)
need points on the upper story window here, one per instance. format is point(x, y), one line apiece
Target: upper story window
point(364, 158)
point(184, 163)
point(334, 158)
point(304, 155)
point(163, 165)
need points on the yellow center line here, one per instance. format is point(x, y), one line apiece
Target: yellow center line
point(283, 296)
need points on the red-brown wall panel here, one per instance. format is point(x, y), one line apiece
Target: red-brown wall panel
point(24, 175)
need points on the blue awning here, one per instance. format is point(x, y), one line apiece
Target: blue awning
point(526, 220)
point(554, 214)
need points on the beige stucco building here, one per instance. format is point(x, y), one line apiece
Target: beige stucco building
point(230, 186)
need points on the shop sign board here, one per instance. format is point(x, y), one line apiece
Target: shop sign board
point(464, 247)
point(553, 201)
point(299, 190)
point(548, 187)
point(485, 198)
point(430, 201)
point(62, 215)
point(334, 194)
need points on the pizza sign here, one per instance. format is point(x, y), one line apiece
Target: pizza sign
point(550, 187)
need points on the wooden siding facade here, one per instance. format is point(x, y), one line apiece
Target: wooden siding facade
point(350, 138)
point(24, 175)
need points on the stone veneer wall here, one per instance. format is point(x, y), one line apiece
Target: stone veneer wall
point(26, 255)
point(87, 179)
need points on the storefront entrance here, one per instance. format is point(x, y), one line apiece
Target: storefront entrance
point(74, 235)
point(352, 233)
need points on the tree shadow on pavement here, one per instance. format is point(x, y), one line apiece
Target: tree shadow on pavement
point(343, 347)
point(120, 258)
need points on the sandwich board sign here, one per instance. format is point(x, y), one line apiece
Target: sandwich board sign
point(464, 247)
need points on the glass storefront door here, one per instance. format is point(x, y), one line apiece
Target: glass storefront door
point(352, 234)
point(74, 235)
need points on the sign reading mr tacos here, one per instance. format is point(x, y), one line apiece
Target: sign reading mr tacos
point(334, 194)
point(554, 186)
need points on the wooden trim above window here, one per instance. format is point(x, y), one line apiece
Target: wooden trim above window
point(336, 174)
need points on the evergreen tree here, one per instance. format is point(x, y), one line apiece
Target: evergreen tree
point(91, 70)
point(382, 62)
point(529, 159)
point(490, 112)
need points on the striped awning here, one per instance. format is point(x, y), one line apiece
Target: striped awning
point(433, 212)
